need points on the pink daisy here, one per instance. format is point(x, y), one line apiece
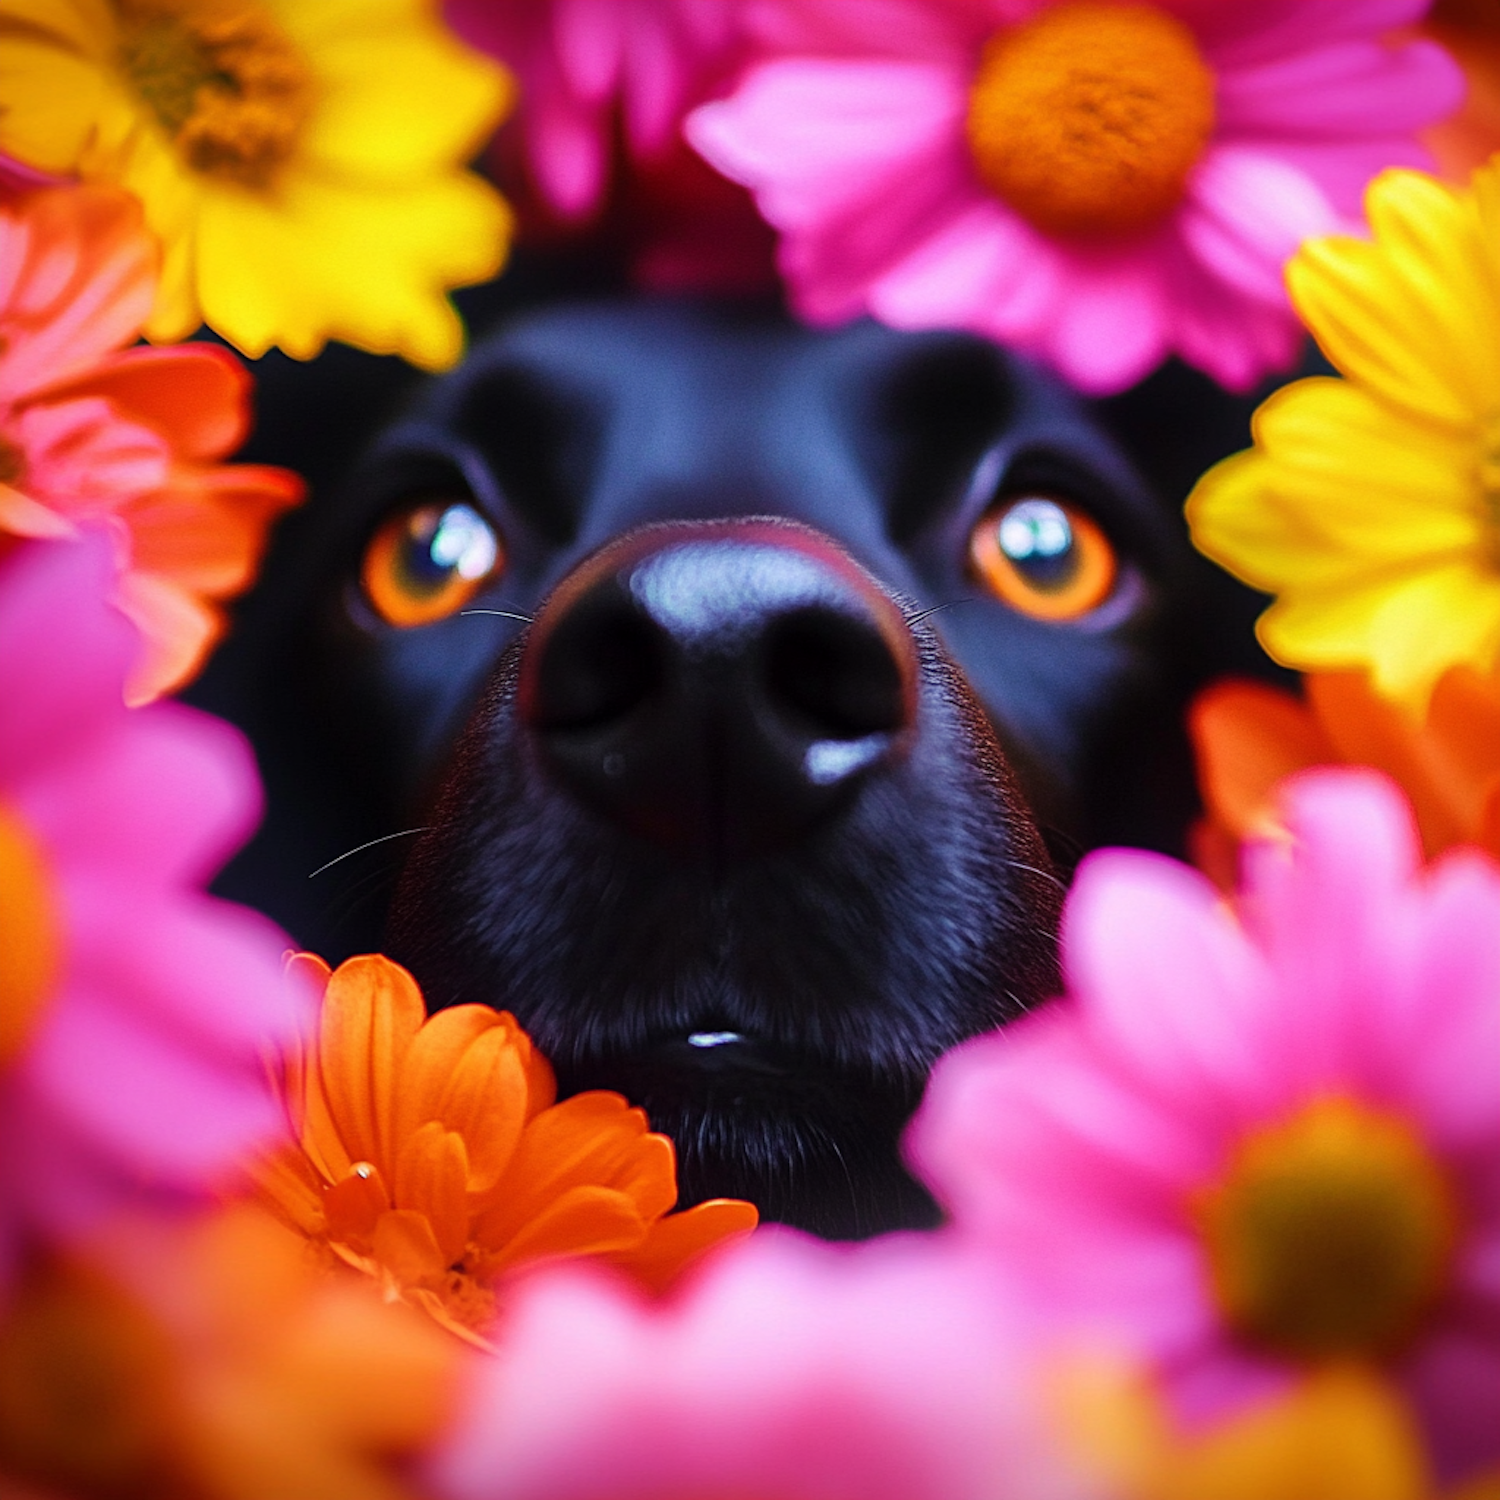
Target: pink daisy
point(1101, 184)
point(1258, 1144)
point(788, 1370)
point(133, 1007)
point(579, 61)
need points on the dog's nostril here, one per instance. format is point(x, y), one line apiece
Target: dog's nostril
point(601, 662)
point(835, 674)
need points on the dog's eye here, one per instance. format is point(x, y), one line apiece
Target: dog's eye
point(428, 560)
point(1043, 557)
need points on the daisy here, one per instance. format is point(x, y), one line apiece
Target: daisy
point(133, 1007)
point(299, 159)
point(1370, 506)
point(1101, 184)
point(1259, 1145)
point(94, 433)
point(430, 1153)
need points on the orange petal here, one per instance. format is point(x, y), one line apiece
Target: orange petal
point(583, 1221)
point(406, 1246)
point(177, 630)
point(291, 1188)
point(466, 1069)
point(22, 516)
point(432, 1176)
point(676, 1242)
point(591, 1139)
point(371, 1011)
point(1368, 730)
point(1246, 737)
point(197, 396)
point(206, 528)
point(352, 1207)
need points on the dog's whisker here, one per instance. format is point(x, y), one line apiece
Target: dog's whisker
point(504, 614)
point(1016, 864)
point(360, 848)
point(934, 609)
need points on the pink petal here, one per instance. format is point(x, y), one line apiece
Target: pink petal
point(1354, 90)
point(589, 37)
point(1172, 991)
point(1453, 1379)
point(912, 29)
point(1241, 36)
point(63, 668)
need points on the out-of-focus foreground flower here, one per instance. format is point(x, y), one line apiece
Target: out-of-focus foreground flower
point(788, 1370)
point(1265, 1139)
point(210, 1359)
point(96, 434)
point(1101, 184)
point(1369, 504)
point(429, 1153)
point(300, 160)
point(133, 1007)
point(579, 62)
point(1248, 737)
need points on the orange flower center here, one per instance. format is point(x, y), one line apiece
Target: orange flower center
point(224, 81)
point(1088, 118)
point(1331, 1234)
point(30, 939)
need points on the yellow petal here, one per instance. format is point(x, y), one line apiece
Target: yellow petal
point(324, 260)
point(1445, 617)
point(1415, 314)
point(53, 101)
point(395, 102)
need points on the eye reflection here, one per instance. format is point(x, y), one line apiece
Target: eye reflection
point(428, 560)
point(1043, 557)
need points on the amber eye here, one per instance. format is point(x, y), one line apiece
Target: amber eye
point(428, 560)
point(1043, 557)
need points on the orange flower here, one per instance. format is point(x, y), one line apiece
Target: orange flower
point(93, 433)
point(1470, 30)
point(1247, 737)
point(430, 1154)
point(213, 1360)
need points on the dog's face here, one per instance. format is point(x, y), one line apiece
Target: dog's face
point(727, 670)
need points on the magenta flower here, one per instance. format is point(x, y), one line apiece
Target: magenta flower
point(580, 60)
point(1254, 1145)
point(1101, 184)
point(133, 1007)
point(788, 1370)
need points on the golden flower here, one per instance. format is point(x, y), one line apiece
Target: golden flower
point(298, 159)
point(1371, 505)
point(213, 1360)
point(1247, 737)
point(429, 1153)
point(1339, 1434)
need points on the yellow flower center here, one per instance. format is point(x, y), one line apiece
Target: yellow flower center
point(1331, 1234)
point(1088, 118)
point(30, 936)
point(224, 81)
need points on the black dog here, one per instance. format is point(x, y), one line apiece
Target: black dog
point(716, 676)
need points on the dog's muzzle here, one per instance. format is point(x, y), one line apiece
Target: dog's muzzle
point(718, 688)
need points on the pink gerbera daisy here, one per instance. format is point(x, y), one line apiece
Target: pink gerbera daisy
point(1099, 183)
point(133, 1007)
point(788, 1370)
point(581, 61)
point(1261, 1140)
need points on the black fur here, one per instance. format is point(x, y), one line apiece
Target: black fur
point(920, 910)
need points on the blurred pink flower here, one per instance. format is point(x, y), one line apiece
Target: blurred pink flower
point(788, 1370)
point(1099, 184)
point(133, 1007)
point(580, 60)
point(1261, 1139)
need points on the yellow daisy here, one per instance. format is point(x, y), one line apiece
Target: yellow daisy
point(1370, 506)
point(300, 160)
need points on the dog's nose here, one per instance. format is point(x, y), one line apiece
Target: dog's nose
point(718, 687)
